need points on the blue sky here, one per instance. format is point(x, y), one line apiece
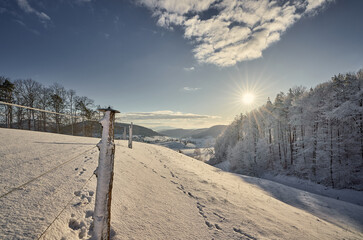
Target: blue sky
point(180, 63)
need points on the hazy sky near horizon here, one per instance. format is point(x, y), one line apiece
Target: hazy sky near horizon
point(170, 63)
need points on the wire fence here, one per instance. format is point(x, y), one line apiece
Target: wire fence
point(26, 186)
point(36, 119)
point(44, 173)
point(29, 118)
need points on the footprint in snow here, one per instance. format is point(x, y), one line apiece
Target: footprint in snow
point(200, 208)
point(74, 224)
point(217, 226)
point(89, 213)
point(84, 196)
point(238, 230)
point(191, 195)
point(81, 172)
point(202, 213)
point(209, 224)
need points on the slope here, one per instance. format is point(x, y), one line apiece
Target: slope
point(157, 194)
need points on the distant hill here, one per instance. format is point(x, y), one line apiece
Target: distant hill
point(213, 131)
point(137, 130)
point(93, 128)
point(177, 133)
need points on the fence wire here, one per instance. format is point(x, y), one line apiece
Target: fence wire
point(65, 207)
point(44, 173)
point(30, 118)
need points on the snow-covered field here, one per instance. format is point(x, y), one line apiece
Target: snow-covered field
point(47, 190)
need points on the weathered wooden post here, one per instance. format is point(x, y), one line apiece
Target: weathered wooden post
point(124, 136)
point(130, 135)
point(104, 173)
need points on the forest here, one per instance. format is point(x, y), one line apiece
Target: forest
point(314, 134)
point(71, 109)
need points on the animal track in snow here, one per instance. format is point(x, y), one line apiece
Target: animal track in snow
point(89, 213)
point(192, 196)
point(181, 187)
point(209, 224)
point(174, 182)
point(238, 230)
point(81, 172)
point(81, 223)
point(200, 207)
point(74, 224)
point(221, 217)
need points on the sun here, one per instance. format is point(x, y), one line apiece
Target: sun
point(248, 98)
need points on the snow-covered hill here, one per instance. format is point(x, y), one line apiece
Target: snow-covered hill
point(213, 132)
point(47, 190)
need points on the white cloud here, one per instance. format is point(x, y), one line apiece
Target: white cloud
point(163, 115)
point(239, 31)
point(189, 69)
point(160, 119)
point(190, 89)
point(25, 6)
point(21, 23)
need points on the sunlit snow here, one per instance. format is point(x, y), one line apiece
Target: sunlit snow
point(157, 194)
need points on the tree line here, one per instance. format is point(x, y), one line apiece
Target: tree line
point(314, 134)
point(53, 98)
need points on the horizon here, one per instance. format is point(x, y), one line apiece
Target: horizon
point(169, 64)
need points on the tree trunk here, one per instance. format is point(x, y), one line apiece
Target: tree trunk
point(331, 155)
point(315, 130)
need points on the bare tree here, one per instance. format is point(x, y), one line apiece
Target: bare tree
point(71, 99)
point(43, 103)
point(31, 95)
point(58, 102)
point(85, 106)
point(6, 95)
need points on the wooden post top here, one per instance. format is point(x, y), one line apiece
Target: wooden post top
point(107, 109)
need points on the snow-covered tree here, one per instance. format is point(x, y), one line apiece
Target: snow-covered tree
point(315, 135)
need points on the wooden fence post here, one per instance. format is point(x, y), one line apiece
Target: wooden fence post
point(124, 135)
point(104, 173)
point(130, 135)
